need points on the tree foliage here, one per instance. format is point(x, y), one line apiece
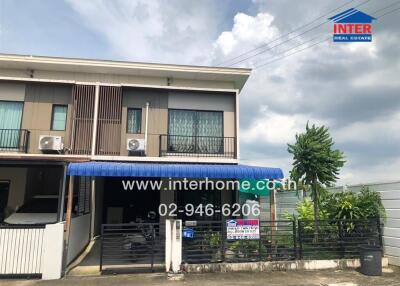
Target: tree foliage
point(315, 162)
point(314, 157)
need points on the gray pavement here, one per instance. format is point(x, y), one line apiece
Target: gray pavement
point(391, 277)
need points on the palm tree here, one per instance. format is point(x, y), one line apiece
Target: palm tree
point(315, 163)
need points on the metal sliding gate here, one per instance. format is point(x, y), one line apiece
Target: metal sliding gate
point(132, 247)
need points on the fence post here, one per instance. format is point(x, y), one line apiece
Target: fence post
point(259, 242)
point(101, 247)
point(379, 226)
point(153, 234)
point(168, 244)
point(176, 245)
point(341, 243)
point(294, 239)
point(223, 237)
point(300, 239)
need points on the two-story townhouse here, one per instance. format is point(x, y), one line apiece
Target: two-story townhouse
point(74, 131)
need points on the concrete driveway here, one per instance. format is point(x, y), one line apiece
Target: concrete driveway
point(391, 277)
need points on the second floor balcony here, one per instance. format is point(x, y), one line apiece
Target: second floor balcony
point(197, 146)
point(14, 140)
point(17, 140)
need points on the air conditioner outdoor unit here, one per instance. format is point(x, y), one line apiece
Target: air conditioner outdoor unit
point(135, 145)
point(51, 143)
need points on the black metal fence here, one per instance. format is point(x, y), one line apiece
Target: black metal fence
point(281, 240)
point(337, 238)
point(14, 139)
point(197, 146)
point(130, 246)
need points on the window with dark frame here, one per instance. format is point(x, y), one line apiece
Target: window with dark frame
point(134, 120)
point(59, 117)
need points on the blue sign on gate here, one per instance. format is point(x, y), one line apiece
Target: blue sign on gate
point(188, 232)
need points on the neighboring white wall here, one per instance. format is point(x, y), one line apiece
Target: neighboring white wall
point(78, 236)
point(11, 91)
point(53, 248)
point(390, 194)
point(285, 202)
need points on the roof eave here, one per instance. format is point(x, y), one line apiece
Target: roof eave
point(237, 75)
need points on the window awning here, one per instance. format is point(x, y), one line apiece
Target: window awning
point(212, 171)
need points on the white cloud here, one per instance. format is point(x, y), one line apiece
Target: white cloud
point(247, 31)
point(154, 31)
point(384, 128)
point(383, 172)
point(276, 128)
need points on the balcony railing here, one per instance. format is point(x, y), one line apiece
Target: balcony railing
point(14, 140)
point(197, 146)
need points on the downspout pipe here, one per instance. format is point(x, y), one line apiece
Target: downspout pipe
point(146, 127)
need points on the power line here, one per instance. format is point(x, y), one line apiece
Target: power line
point(291, 32)
point(272, 61)
point(384, 8)
point(324, 40)
point(288, 40)
point(389, 12)
point(296, 46)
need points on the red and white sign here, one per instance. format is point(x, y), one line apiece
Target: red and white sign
point(237, 229)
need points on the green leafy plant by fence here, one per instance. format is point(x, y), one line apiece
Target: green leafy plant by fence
point(344, 205)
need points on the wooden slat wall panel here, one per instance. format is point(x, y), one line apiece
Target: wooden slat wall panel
point(109, 121)
point(83, 97)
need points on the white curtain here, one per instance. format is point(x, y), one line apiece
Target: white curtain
point(210, 132)
point(181, 131)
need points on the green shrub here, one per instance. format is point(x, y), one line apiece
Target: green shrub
point(213, 239)
point(245, 245)
point(370, 204)
point(305, 211)
point(348, 205)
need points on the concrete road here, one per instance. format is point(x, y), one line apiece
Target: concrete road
point(391, 277)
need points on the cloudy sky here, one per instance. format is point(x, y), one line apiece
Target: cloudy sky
point(352, 88)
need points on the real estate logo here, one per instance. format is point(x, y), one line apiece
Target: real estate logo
point(352, 26)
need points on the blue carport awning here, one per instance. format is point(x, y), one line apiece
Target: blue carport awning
point(212, 171)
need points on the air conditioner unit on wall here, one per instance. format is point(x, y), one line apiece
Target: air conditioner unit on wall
point(135, 145)
point(51, 143)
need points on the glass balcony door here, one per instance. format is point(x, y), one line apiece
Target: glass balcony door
point(195, 131)
point(10, 124)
